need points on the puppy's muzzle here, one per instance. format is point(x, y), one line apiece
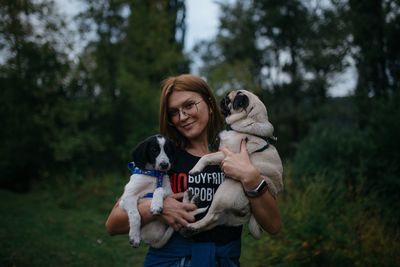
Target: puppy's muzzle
point(164, 166)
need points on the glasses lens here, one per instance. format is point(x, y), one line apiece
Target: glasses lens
point(187, 109)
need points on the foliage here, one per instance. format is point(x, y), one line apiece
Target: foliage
point(289, 53)
point(75, 117)
point(322, 226)
point(32, 79)
point(67, 122)
point(365, 160)
point(63, 225)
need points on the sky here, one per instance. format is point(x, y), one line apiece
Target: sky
point(201, 18)
point(202, 21)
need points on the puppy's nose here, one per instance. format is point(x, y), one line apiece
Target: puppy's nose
point(164, 165)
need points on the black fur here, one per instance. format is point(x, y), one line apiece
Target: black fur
point(224, 104)
point(240, 101)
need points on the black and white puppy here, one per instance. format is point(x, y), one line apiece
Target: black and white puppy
point(153, 158)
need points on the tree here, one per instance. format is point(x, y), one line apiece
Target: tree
point(32, 80)
point(288, 52)
point(137, 44)
point(375, 50)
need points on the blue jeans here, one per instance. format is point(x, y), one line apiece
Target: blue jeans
point(180, 251)
point(187, 262)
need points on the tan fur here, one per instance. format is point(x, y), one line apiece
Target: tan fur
point(230, 206)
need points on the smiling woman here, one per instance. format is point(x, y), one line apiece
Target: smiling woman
point(187, 105)
point(190, 117)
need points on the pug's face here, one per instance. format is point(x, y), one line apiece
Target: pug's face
point(235, 102)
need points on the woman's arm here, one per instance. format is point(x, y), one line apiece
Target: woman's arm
point(264, 207)
point(175, 213)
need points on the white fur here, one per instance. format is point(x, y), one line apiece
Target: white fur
point(155, 233)
point(137, 187)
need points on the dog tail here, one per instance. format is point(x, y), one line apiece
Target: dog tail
point(254, 228)
point(164, 239)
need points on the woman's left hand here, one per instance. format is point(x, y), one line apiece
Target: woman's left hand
point(238, 165)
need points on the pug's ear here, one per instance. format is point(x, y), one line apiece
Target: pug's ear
point(140, 155)
point(224, 105)
point(240, 101)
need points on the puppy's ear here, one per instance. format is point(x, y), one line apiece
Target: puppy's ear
point(224, 106)
point(240, 101)
point(139, 154)
point(170, 150)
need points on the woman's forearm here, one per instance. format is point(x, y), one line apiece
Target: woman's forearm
point(118, 222)
point(264, 207)
point(266, 212)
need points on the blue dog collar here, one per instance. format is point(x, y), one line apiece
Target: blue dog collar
point(154, 173)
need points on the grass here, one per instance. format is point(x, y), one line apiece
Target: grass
point(42, 229)
point(62, 224)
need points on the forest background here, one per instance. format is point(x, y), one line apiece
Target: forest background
point(69, 123)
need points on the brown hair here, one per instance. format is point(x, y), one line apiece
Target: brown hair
point(192, 83)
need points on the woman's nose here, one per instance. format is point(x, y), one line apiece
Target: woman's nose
point(182, 115)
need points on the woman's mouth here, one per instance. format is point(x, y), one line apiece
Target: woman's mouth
point(187, 125)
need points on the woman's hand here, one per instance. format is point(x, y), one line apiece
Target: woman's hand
point(176, 213)
point(265, 207)
point(239, 167)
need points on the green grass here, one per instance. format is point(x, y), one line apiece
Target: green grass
point(62, 224)
point(46, 229)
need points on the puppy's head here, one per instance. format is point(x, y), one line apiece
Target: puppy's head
point(154, 153)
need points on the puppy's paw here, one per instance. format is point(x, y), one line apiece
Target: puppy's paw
point(156, 210)
point(134, 239)
point(134, 243)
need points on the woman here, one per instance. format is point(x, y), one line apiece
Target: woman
point(189, 116)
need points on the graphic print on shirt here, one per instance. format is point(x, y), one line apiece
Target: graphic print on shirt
point(205, 186)
point(202, 185)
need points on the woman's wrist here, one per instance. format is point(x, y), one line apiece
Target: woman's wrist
point(252, 179)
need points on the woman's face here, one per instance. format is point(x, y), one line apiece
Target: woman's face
point(189, 113)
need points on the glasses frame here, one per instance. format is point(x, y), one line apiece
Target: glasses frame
point(181, 111)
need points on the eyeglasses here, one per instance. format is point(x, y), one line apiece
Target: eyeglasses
point(188, 109)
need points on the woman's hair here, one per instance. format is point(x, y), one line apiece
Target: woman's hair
point(192, 83)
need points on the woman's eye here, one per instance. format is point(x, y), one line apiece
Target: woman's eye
point(173, 112)
point(188, 106)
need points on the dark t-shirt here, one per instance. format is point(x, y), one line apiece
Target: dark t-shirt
point(204, 185)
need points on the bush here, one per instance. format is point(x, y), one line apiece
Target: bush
point(324, 226)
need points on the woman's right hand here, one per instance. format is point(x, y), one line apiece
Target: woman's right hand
point(176, 213)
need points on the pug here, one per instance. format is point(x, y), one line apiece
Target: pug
point(247, 118)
